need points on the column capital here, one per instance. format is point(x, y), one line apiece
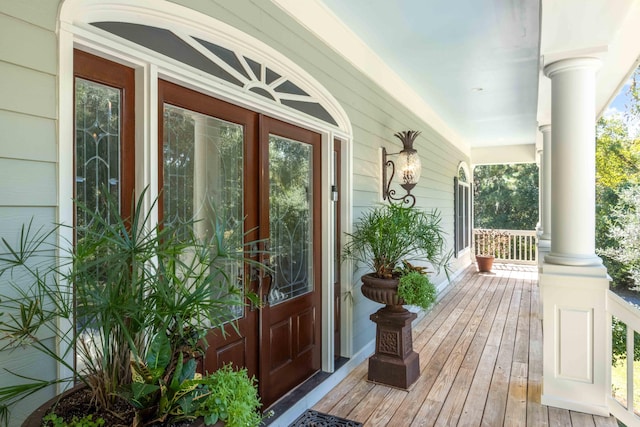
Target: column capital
point(571, 64)
point(544, 128)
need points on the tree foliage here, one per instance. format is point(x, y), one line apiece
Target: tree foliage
point(506, 196)
point(617, 156)
point(617, 184)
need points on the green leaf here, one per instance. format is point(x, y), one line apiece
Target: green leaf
point(159, 354)
point(211, 419)
point(176, 380)
point(188, 371)
point(141, 390)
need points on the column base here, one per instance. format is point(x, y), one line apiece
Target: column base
point(544, 247)
point(575, 334)
point(572, 405)
point(573, 260)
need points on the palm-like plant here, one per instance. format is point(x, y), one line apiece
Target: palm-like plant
point(389, 234)
point(129, 285)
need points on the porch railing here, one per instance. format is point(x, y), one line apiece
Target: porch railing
point(624, 320)
point(510, 246)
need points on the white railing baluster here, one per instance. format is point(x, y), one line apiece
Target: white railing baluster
point(520, 247)
point(630, 316)
point(630, 345)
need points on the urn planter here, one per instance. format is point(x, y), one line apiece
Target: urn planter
point(394, 362)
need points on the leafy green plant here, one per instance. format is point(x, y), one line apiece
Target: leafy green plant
point(232, 398)
point(141, 296)
point(52, 420)
point(416, 289)
point(388, 234)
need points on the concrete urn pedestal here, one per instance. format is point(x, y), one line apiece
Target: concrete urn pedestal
point(394, 363)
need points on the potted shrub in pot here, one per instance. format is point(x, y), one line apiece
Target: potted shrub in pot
point(141, 298)
point(489, 244)
point(384, 241)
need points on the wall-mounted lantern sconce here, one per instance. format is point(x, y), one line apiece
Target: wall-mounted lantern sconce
point(408, 166)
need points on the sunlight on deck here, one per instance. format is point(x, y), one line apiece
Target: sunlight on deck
point(480, 361)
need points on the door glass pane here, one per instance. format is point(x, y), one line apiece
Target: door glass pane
point(202, 174)
point(290, 207)
point(97, 146)
point(97, 168)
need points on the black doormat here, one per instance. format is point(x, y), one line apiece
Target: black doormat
point(318, 419)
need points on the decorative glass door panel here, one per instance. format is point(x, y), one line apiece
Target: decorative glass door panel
point(97, 146)
point(208, 173)
point(290, 219)
point(103, 153)
point(202, 176)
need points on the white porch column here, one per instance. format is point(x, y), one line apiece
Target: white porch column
point(544, 240)
point(573, 282)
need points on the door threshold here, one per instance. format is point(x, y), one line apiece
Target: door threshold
point(304, 396)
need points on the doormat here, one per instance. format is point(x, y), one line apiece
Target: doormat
point(318, 419)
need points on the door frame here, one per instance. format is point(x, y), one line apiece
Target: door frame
point(74, 32)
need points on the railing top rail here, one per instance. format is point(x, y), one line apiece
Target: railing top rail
point(509, 231)
point(623, 310)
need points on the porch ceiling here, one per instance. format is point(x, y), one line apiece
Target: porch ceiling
point(476, 64)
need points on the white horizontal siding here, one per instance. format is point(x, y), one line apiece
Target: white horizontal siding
point(27, 91)
point(26, 137)
point(42, 13)
point(27, 183)
point(31, 363)
point(12, 219)
point(27, 45)
point(28, 153)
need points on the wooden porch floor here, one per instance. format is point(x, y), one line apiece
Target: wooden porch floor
point(480, 361)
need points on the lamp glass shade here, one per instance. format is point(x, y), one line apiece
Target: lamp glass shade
point(409, 167)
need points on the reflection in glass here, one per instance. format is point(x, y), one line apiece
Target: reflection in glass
point(290, 207)
point(97, 146)
point(202, 174)
point(97, 169)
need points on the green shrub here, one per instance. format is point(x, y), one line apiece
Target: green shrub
point(232, 398)
point(416, 289)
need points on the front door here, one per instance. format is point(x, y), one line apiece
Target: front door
point(244, 167)
point(290, 200)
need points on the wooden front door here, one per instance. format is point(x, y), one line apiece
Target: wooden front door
point(290, 221)
point(266, 173)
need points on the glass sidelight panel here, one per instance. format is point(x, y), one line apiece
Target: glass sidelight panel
point(97, 146)
point(202, 160)
point(290, 223)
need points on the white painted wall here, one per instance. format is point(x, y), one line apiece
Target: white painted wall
point(28, 148)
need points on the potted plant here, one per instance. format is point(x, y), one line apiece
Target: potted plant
point(414, 286)
point(141, 299)
point(384, 240)
point(489, 244)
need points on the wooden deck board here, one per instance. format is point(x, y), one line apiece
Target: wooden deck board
point(480, 352)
